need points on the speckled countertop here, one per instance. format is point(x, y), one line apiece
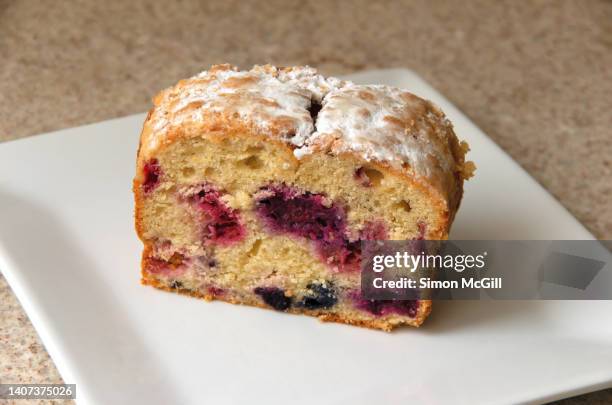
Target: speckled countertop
point(535, 76)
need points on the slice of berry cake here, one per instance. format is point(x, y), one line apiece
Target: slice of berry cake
point(257, 187)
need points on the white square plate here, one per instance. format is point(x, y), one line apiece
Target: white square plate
point(69, 251)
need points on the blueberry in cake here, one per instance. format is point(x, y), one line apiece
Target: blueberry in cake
point(257, 187)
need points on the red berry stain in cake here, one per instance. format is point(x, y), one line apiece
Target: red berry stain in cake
point(173, 267)
point(375, 230)
point(221, 223)
point(286, 209)
point(422, 227)
point(305, 214)
point(215, 291)
point(274, 297)
point(386, 307)
point(152, 173)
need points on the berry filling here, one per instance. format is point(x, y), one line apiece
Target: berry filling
point(386, 307)
point(288, 210)
point(422, 227)
point(274, 297)
point(312, 216)
point(320, 296)
point(221, 224)
point(152, 173)
point(375, 230)
point(215, 291)
point(173, 267)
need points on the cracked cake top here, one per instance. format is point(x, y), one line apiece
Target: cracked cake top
point(311, 113)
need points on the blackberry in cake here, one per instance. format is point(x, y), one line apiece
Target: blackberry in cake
point(257, 187)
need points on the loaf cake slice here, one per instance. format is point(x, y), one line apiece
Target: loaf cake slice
point(257, 187)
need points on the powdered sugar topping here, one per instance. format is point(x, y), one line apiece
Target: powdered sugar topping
point(386, 124)
point(267, 98)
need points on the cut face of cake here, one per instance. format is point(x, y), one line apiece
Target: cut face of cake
point(257, 188)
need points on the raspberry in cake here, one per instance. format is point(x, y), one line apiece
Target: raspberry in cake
point(257, 187)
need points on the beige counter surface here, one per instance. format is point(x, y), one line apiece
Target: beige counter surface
point(535, 76)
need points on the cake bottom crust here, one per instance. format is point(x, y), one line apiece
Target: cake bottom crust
point(385, 325)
